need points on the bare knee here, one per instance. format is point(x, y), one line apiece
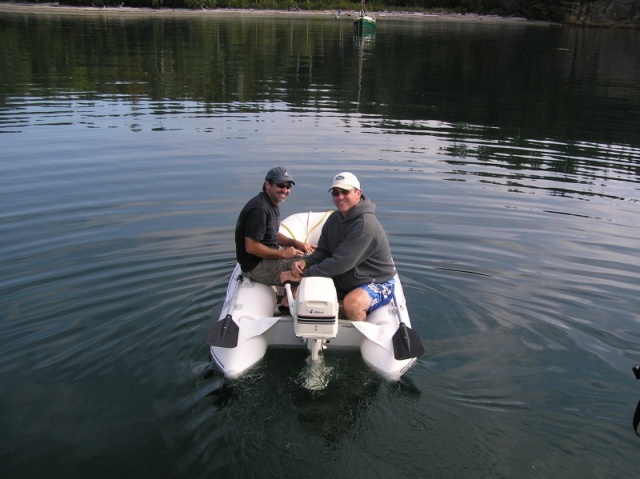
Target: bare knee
point(356, 304)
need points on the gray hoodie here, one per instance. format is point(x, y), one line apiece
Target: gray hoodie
point(352, 250)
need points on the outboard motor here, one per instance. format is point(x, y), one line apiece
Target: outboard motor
point(315, 314)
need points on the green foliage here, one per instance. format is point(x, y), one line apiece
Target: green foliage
point(553, 10)
point(203, 3)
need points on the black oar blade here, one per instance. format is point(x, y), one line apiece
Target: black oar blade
point(636, 420)
point(224, 333)
point(406, 343)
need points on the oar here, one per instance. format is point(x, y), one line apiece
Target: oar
point(406, 343)
point(636, 420)
point(224, 333)
point(636, 415)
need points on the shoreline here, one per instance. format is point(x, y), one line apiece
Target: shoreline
point(56, 9)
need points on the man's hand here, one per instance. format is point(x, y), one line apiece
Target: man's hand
point(291, 252)
point(297, 268)
point(306, 247)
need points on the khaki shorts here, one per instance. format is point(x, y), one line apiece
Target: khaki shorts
point(269, 269)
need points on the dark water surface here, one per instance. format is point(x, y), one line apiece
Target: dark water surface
point(504, 159)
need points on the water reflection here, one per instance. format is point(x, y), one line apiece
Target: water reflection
point(364, 42)
point(529, 87)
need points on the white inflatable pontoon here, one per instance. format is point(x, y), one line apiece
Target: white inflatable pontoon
point(250, 321)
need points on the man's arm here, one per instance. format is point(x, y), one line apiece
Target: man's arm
point(256, 248)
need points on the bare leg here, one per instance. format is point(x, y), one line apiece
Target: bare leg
point(289, 277)
point(285, 299)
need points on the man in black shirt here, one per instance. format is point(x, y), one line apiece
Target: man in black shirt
point(262, 251)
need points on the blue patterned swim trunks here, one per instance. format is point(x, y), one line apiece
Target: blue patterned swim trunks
point(380, 293)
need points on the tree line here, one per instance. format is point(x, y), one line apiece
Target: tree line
point(618, 13)
point(532, 9)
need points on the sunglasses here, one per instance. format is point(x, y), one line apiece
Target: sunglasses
point(284, 185)
point(340, 191)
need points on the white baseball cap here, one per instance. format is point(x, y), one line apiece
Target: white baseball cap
point(346, 181)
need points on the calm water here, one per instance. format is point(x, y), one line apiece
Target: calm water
point(504, 160)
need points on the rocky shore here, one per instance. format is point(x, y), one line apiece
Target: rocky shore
point(603, 13)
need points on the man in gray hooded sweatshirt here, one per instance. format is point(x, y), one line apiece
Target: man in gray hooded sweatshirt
point(353, 250)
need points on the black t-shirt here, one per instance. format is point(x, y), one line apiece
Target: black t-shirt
point(258, 220)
